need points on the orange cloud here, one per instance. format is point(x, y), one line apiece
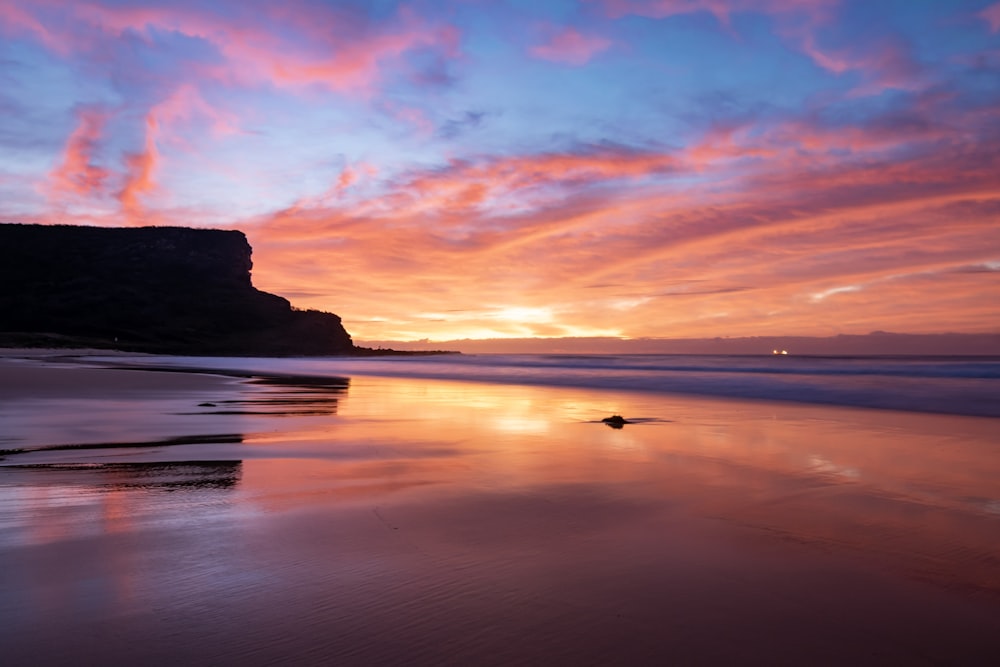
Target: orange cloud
point(814, 224)
point(671, 270)
point(76, 172)
point(346, 178)
point(139, 174)
point(463, 184)
point(804, 242)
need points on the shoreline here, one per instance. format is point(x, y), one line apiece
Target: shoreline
point(800, 380)
point(436, 520)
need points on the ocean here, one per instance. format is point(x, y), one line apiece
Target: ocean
point(949, 385)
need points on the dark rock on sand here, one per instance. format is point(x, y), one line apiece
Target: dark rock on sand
point(615, 421)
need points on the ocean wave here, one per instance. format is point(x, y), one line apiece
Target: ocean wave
point(963, 386)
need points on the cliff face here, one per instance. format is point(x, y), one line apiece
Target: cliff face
point(153, 289)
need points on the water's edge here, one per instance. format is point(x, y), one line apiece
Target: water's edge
point(948, 385)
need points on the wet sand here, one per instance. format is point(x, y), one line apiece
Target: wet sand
point(179, 518)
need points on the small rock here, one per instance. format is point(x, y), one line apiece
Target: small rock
point(615, 421)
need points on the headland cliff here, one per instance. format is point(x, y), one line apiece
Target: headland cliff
point(167, 290)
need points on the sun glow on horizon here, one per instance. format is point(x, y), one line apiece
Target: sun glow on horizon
point(523, 315)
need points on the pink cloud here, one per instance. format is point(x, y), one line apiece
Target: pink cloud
point(13, 16)
point(323, 47)
point(412, 116)
point(355, 66)
point(570, 47)
point(349, 175)
point(346, 178)
point(807, 240)
point(721, 9)
point(773, 245)
point(810, 224)
point(721, 144)
point(664, 8)
point(883, 66)
point(186, 103)
point(517, 182)
point(992, 16)
point(76, 172)
point(139, 173)
point(887, 65)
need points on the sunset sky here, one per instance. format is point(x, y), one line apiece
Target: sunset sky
point(451, 169)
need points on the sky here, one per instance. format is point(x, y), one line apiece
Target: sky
point(448, 169)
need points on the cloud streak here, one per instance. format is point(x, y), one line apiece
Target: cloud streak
point(298, 44)
point(633, 168)
point(569, 46)
point(992, 16)
point(78, 172)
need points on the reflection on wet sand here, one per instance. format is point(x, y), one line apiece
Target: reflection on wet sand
point(49, 503)
point(282, 395)
point(61, 406)
point(222, 438)
point(429, 522)
point(274, 394)
point(176, 476)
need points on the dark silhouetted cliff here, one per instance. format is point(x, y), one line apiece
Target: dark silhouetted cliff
point(153, 289)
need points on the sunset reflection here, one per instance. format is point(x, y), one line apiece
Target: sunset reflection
point(830, 476)
point(52, 502)
point(472, 497)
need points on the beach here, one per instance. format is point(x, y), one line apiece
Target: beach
point(155, 511)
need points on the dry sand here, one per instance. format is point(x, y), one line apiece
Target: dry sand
point(212, 520)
